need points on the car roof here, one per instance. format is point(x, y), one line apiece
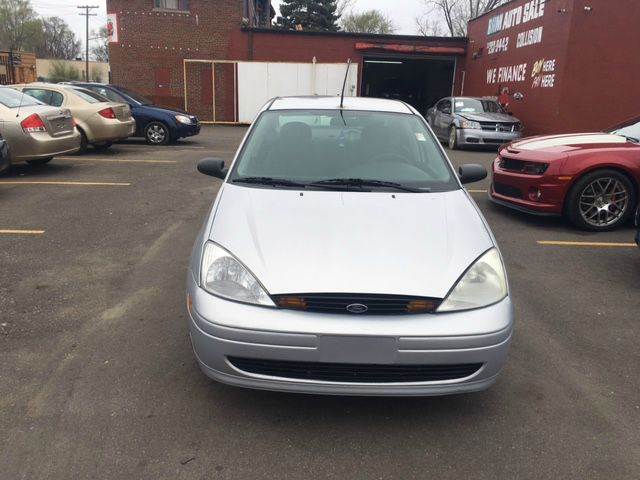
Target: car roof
point(333, 103)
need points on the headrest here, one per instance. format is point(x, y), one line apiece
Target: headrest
point(295, 132)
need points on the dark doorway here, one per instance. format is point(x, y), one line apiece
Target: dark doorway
point(419, 82)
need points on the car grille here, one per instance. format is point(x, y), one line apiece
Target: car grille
point(375, 304)
point(499, 126)
point(355, 373)
point(507, 190)
point(523, 166)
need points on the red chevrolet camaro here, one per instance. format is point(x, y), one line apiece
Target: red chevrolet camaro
point(592, 179)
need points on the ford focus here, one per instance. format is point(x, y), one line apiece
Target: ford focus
point(343, 255)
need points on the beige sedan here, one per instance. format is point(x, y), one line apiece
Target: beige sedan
point(33, 131)
point(100, 121)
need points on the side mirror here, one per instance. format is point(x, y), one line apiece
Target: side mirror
point(510, 113)
point(472, 173)
point(214, 167)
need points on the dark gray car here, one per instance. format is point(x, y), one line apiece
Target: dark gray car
point(468, 121)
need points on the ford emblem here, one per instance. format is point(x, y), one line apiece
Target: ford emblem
point(357, 308)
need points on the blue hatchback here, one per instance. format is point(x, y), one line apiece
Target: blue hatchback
point(158, 125)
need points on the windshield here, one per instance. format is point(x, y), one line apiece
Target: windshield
point(630, 130)
point(315, 146)
point(135, 97)
point(11, 98)
point(472, 105)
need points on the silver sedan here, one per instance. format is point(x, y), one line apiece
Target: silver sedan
point(343, 256)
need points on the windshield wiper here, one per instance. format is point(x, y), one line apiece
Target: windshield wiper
point(282, 182)
point(632, 139)
point(361, 182)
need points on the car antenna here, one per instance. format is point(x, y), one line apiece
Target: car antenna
point(20, 104)
point(344, 84)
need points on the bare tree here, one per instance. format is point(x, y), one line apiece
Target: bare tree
point(100, 49)
point(58, 40)
point(456, 13)
point(429, 26)
point(344, 5)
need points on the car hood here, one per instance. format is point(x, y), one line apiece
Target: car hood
point(351, 242)
point(569, 143)
point(489, 117)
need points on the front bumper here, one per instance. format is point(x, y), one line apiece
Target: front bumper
point(221, 329)
point(536, 194)
point(471, 137)
point(183, 130)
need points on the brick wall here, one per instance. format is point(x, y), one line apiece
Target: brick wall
point(150, 40)
point(153, 45)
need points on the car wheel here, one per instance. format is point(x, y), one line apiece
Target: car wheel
point(157, 133)
point(84, 143)
point(601, 200)
point(39, 161)
point(453, 138)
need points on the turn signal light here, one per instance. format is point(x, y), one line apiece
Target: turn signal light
point(421, 306)
point(295, 303)
point(33, 123)
point(108, 113)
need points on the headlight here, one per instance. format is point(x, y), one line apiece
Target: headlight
point(482, 285)
point(183, 119)
point(223, 275)
point(470, 125)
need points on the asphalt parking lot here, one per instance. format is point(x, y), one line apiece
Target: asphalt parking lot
point(97, 379)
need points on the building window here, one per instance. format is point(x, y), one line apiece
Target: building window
point(181, 5)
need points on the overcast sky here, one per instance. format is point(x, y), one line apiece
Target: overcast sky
point(403, 12)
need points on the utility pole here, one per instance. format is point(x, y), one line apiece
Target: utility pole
point(87, 9)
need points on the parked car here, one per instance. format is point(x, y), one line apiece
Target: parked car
point(591, 178)
point(35, 132)
point(4, 155)
point(158, 125)
point(100, 121)
point(468, 121)
point(343, 256)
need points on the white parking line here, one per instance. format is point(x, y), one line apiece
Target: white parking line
point(557, 243)
point(478, 191)
point(21, 232)
point(84, 184)
point(113, 160)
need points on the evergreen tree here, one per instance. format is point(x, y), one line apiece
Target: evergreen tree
point(315, 15)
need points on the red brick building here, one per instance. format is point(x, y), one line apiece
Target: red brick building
point(569, 65)
point(219, 59)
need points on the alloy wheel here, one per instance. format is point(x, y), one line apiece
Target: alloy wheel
point(604, 202)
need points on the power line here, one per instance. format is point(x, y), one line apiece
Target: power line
point(87, 9)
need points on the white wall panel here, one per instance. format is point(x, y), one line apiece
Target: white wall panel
point(260, 81)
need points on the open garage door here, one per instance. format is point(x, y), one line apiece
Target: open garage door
point(420, 82)
point(260, 81)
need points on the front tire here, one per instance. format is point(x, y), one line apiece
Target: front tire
point(157, 133)
point(453, 138)
point(601, 200)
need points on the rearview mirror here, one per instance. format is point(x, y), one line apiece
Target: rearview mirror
point(472, 173)
point(214, 167)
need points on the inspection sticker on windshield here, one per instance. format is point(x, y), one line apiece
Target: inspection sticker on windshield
point(459, 104)
point(420, 137)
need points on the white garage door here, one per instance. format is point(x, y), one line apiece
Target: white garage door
point(260, 81)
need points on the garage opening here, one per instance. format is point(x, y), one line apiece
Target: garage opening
point(420, 82)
